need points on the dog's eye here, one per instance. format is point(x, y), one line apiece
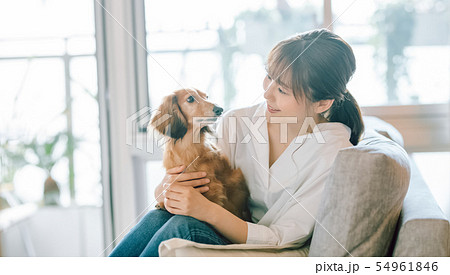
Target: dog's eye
point(190, 99)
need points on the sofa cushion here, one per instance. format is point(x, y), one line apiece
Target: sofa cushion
point(362, 199)
point(184, 248)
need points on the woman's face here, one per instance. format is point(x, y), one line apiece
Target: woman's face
point(283, 101)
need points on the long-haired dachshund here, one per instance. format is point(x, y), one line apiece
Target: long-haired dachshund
point(187, 141)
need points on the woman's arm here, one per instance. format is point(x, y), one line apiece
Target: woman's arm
point(185, 200)
point(230, 226)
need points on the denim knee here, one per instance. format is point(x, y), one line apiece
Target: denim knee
point(136, 240)
point(156, 215)
point(190, 228)
point(180, 221)
point(183, 227)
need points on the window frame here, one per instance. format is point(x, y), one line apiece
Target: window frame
point(122, 176)
point(424, 127)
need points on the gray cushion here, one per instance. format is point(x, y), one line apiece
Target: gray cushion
point(362, 199)
point(424, 230)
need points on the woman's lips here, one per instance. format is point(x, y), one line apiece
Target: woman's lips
point(272, 110)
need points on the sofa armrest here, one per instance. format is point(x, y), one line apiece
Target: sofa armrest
point(423, 228)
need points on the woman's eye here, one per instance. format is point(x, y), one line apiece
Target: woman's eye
point(190, 99)
point(268, 76)
point(281, 91)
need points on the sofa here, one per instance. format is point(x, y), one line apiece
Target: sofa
point(375, 203)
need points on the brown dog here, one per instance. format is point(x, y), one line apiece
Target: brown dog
point(187, 145)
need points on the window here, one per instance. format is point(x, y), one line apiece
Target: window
point(402, 50)
point(233, 37)
point(49, 125)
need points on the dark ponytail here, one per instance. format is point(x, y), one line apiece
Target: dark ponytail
point(318, 64)
point(347, 111)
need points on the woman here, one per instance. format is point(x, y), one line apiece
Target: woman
point(284, 162)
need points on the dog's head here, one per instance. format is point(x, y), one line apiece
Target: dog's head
point(177, 112)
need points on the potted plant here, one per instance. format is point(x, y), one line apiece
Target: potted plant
point(46, 155)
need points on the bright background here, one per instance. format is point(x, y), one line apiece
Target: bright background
point(49, 109)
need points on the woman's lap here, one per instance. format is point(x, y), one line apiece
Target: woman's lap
point(183, 227)
point(156, 227)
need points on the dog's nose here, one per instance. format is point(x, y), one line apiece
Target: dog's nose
point(217, 110)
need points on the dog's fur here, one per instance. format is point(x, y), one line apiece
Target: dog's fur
point(174, 119)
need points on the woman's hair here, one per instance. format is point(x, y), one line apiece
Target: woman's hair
point(319, 64)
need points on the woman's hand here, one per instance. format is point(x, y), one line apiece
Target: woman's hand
point(183, 195)
point(176, 175)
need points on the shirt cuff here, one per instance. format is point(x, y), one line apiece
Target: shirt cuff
point(261, 234)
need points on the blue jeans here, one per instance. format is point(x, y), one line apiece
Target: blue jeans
point(159, 225)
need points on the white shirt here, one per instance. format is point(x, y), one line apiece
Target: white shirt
point(284, 199)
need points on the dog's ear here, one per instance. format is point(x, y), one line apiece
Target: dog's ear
point(178, 124)
point(169, 120)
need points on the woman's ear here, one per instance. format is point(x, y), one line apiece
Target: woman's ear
point(323, 105)
point(169, 120)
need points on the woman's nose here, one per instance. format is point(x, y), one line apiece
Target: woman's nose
point(268, 90)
